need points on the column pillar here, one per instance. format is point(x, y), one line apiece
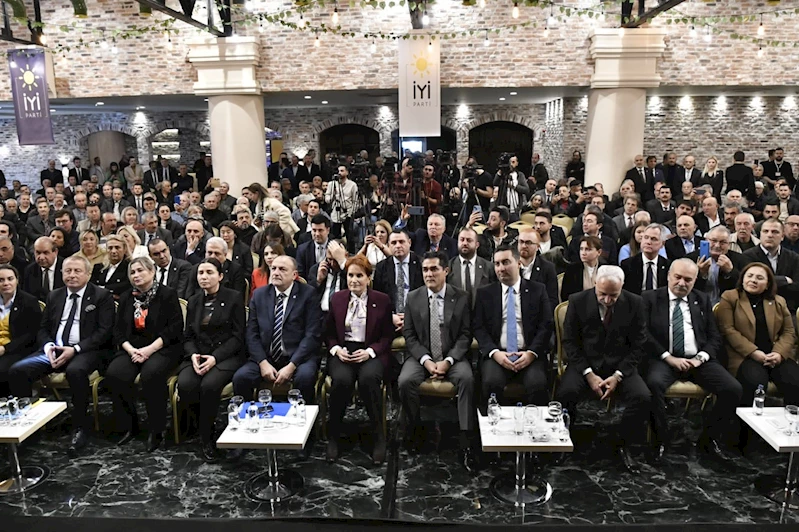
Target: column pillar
point(625, 65)
point(226, 75)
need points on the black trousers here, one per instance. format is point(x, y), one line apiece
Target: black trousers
point(204, 390)
point(6, 361)
point(32, 368)
point(120, 379)
point(711, 376)
point(785, 376)
point(369, 375)
point(248, 377)
point(632, 390)
point(533, 378)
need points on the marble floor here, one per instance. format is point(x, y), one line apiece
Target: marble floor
point(107, 481)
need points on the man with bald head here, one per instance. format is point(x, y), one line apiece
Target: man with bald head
point(709, 217)
point(686, 240)
point(690, 173)
point(791, 240)
point(216, 248)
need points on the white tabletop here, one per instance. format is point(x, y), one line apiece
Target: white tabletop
point(282, 435)
point(40, 415)
point(770, 426)
point(506, 440)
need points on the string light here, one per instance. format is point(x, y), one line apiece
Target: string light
point(546, 31)
point(373, 48)
point(317, 43)
point(481, 3)
point(261, 26)
point(708, 36)
point(692, 33)
point(602, 14)
point(551, 18)
point(760, 51)
point(425, 19)
point(486, 41)
point(761, 30)
point(515, 12)
point(114, 49)
point(103, 43)
point(43, 39)
point(430, 45)
point(334, 18)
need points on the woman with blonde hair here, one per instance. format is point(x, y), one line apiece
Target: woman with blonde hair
point(113, 273)
point(135, 248)
point(375, 247)
point(90, 248)
point(712, 175)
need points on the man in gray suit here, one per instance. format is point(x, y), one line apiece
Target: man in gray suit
point(437, 339)
point(468, 271)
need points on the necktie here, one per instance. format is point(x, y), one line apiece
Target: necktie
point(677, 332)
point(467, 282)
point(650, 276)
point(629, 221)
point(435, 330)
point(70, 320)
point(400, 305)
point(333, 288)
point(608, 317)
point(641, 171)
point(320, 253)
point(549, 198)
point(138, 204)
point(161, 275)
point(46, 280)
point(433, 247)
point(276, 348)
point(150, 239)
point(512, 342)
point(164, 175)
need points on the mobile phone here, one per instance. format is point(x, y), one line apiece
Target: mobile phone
point(477, 208)
point(756, 162)
point(416, 210)
point(704, 248)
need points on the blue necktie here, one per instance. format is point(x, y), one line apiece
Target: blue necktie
point(512, 344)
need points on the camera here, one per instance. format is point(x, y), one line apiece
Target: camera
point(503, 162)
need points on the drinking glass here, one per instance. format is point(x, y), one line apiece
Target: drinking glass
point(24, 409)
point(294, 397)
point(554, 413)
point(531, 417)
point(791, 416)
point(494, 414)
point(3, 411)
point(238, 400)
point(252, 418)
point(233, 415)
point(264, 398)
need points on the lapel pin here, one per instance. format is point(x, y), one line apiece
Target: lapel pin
point(222, 304)
point(375, 306)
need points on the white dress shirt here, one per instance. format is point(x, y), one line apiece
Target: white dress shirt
point(111, 269)
point(689, 338)
point(544, 247)
point(772, 259)
point(74, 332)
point(5, 310)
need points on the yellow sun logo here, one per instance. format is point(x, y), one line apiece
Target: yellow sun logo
point(421, 65)
point(28, 78)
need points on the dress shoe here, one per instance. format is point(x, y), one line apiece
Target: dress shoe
point(208, 452)
point(126, 438)
point(468, 461)
point(79, 440)
point(154, 440)
point(379, 448)
point(332, 449)
point(713, 450)
point(657, 454)
point(627, 461)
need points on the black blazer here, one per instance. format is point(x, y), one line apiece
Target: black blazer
point(420, 244)
point(223, 337)
point(320, 288)
point(96, 318)
point(164, 319)
point(161, 233)
point(385, 279)
point(107, 205)
point(787, 266)
point(703, 224)
point(174, 228)
point(178, 279)
point(675, 248)
point(243, 257)
point(179, 250)
point(658, 215)
point(35, 228)
point(588, 344)
point(306, 257)
point(558, 237)
point(573, 279)
point(726, 281)
point(537, 318)
point(233, 279)
point(658, 318)
point(645, 189)
point(25, 313)
point(118, 284)
point(634, 272)
point(610, 252)
point(33, 279)
point(544, 272)
point(741, 178)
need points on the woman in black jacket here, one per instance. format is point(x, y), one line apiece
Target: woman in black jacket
point(149, 335)
point(20, 315)
point(238, 252)
point(213, 348)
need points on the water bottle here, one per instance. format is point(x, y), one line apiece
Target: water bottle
point(564, 430)
point(518, 419)
point(300, 411)
point(760, 400)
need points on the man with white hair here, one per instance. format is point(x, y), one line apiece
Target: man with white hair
point(434, 238)
point(216, 248)
point(744, 237)
point(302, 207)
point(604, 337)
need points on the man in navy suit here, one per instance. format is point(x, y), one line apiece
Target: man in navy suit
point(512, 325)
point(314, 251)
point(283, 342)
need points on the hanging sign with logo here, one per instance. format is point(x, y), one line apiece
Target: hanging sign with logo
point(28, 67)
point(419, 88)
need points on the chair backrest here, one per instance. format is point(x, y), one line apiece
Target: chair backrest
point(566, 222)
point(256, 260)
point(302, 280)
point(560, 286)
point(246, 292)
point(42, 305)
point(560, 319)
point(184, 308)
point(528, 217)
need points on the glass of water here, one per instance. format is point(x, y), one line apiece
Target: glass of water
point(494, 414)
point(3, 411)
point(24, 407)
point(791, 416)
point(264, 398)
point(554, 413)
point(294, 397)
point(531, 418)
point(252, 418)
point(233, 415)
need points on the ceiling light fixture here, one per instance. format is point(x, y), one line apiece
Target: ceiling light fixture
point(502, 99)
point(324, 102)
point(98, 104)
point(514, 93)
point(307, 97)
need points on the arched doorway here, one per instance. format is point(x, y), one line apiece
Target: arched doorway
point(349, 139)
point(488, 141)
point(446, 142)
point(179, 145)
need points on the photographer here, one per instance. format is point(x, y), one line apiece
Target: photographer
point(512, 184)
point(342, 195)
point(403, 182)
point(478, 187)
point(448, 174)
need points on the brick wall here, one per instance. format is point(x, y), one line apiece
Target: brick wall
point(290, 62)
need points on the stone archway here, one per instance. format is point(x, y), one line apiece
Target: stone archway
point(383, 129)
point(192, 139)
point(464, 127)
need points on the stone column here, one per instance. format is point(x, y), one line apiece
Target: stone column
point(226, 75)
point(625, 65)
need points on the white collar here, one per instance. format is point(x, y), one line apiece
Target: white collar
point(440, 294)
point(516, 287)
point(79, 292)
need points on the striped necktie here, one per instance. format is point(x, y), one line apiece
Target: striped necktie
point(276, 348)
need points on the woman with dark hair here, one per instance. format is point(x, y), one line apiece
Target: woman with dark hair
point(20, 315)
point(759, 335)
point(213, 349)
point(115, 173)
point(633, 248)
point(273, 234)
point(59, 237)
point(260, 276)
point(359, 332)
point(236, 251)
point(581, 275)
point(149, 335)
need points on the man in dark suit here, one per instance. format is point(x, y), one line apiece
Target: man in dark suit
point(740, 177)
point(535, 268)
point(164, 172)
point(283, 335)
point(399, 274)
point(328, 277)
point(42, 224)
point(437, 339)
point(468, 271)
point(785, 198)
point(673, 173)
point(592, 225)
point(296, 173)
point(779, 168)
point(686, 240)
point(783, 262)
point(642, 179)
point(709, 217)
point(648, 270)
point(609, 227)
point(113, 275)
point(151, 230)
point(662, 209)
point(50, 173)
point(513, 324)
point(191, 246)
point(432, 239)
point(626, 219)
point(688, 173)
point(684, 343)
point(78, 172)
point(174, 273)
point(604, 337)
point(44, 275)
point(204, 173)
point(313, 251)
point(312, 168)
point(216, 248)
point(719, 272)
point(74, 348)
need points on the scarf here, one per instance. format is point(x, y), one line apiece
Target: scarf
point(141, 305)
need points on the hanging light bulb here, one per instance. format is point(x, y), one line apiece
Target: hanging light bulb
point(373, 48)
point(317, 43)
point(481, 3)
point(114, 49)
point(261, 26)
point(761, 30)
point(515, 12)
point(103, 44)
point(425, 19)
point(708, 36)
point(602, 14)
point(486, 41)
point(760, 51)
point(334, 18)
point(546, 31)
point(43, 39)
point(430, 45)
point(692, 33)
